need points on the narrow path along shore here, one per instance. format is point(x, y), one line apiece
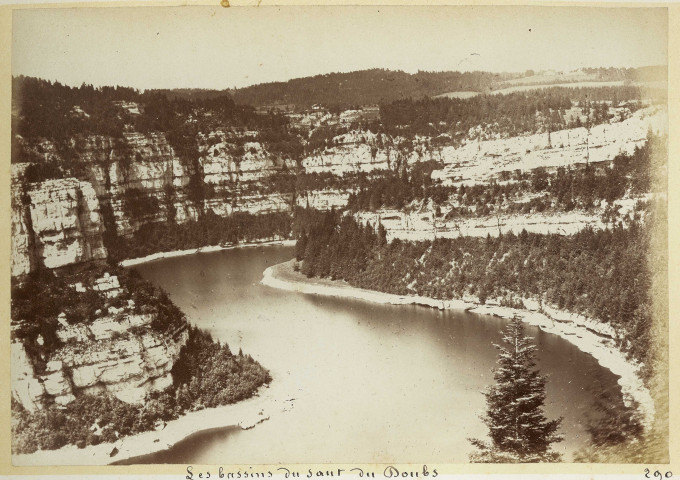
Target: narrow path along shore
point(212, 248)
point(245, 415)
point(580, 331)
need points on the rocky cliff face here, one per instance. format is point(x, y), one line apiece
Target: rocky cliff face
point(54, 223)
point(117, 351)
point(23, 260)
point(354, 152)
point(129, 368)
point(149, 166)
point(137, 179)
point(66, 222)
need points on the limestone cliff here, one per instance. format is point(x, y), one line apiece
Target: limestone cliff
point(118, 349)
point(123, 184)
point(66, 223)
point(146, 165)
point(22, 260)
point(54, 223)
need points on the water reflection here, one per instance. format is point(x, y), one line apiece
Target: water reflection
point(372, 383)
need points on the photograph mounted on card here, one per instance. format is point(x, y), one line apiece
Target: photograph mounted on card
point(339, 235)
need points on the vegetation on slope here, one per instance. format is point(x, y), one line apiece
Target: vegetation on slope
point(59, 112)
point(602, 274)
point(206, 375)
point(64, 115)
point(208, 230)
point(510, 114)
point(35, 323)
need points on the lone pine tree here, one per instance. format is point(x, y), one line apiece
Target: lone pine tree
point(519, 431)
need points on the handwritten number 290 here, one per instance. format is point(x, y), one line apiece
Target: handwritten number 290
point(657, 474)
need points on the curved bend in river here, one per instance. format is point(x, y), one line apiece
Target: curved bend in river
point(363, 382)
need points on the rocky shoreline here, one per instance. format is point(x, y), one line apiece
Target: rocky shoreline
point(580, 331)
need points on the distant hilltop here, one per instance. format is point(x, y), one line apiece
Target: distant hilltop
point(374, 86)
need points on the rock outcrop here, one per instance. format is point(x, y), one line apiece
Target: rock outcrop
point(116, 361)
point(26, 388)
point(54, 223)
point(66, 223)
point(23, 258)
point(118, 350)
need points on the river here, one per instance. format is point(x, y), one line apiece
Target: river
point(368, 383)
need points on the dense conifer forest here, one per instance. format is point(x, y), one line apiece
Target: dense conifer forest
point(604, 274)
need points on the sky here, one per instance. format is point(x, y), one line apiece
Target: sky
point(214, 47)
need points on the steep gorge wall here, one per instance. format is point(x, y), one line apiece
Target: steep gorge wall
point(21, 230)
point(54, 223)
point(61, 222)
point(139, 179)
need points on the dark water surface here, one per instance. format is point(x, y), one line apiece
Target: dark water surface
point(370, 383)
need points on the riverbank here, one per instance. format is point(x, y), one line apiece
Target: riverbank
point(245, 415)
point(587, 335)
point(211, 248)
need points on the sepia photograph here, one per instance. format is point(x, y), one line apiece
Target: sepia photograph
point(279, 235)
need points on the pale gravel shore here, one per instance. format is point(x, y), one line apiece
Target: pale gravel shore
point(245, 415)
point(573, 328)
point(212, 248)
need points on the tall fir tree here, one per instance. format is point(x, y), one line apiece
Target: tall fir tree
point(519, 431)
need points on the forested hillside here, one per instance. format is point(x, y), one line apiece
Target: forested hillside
point(515, 113)
point(365, 87)
point(382, 86)
point(603, 274)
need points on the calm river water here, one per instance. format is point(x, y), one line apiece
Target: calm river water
point(369, 383)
